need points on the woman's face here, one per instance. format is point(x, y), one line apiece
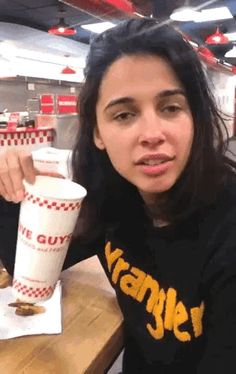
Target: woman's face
point(144, 123)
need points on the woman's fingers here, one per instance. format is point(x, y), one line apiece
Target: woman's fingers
point(16, 176)
point(27, 166)
point(6, 185)
point(15, 166)
point(50, 174)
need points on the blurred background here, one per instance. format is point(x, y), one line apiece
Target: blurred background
point(43, 48)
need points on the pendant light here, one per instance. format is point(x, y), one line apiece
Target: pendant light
point(217, 38)
point(218, 43)
point(68, 70)
point(62, 29)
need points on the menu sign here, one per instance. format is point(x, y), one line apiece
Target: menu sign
point(66, 104)
point(47, 104)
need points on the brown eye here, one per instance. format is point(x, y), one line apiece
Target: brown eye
point(123, 116)
point(172, 109)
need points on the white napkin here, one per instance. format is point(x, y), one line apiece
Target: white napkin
point(12, 325)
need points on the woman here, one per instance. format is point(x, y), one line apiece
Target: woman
point(160, 210)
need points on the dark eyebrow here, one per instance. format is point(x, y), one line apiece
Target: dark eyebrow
point(130, 100)
point(122, 100)
point(166, 93)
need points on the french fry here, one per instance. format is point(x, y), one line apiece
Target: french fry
point(19, 304)
point(29, 310)
point(20, 311)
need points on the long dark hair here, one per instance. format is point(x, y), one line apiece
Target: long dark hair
point(110, 197)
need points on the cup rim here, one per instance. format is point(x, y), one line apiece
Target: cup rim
point(32, 188)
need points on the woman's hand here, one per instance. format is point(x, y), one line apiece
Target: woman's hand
point(15, 166)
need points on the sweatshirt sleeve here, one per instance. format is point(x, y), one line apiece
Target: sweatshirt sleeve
point(9, 217)
point(78, 251)
point(220, 309)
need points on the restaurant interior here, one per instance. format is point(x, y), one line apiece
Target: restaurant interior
point(43, 49)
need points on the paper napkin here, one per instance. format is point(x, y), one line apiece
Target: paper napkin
point(13, 325)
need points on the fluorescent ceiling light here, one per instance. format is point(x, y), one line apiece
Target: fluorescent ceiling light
point(231, 53)
point(10, 51)
point(98, 27)
point(7, 49)
point(231, 35)
point(184, 14)
point(44, 70)
point(213, 14)
point(6, 69)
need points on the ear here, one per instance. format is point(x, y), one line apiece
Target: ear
point(97, 139)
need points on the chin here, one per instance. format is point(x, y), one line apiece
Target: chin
point(157, 188)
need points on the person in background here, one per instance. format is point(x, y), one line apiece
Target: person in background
point(161, 203)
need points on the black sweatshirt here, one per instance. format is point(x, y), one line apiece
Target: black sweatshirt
point(175, 285)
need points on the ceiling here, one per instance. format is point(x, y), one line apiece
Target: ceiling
point(42, 14)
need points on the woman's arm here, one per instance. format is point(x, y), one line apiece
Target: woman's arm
point(9, 214)
point(78, 251)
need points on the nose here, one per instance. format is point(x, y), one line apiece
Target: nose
point(151, 129)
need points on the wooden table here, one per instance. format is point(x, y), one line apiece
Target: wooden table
point(92, 334)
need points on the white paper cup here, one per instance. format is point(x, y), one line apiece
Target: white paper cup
point(48, 215)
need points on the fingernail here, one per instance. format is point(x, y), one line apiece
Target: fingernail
point(19, 195)
point(31, 178)
point(7, 197)
point(14, 198)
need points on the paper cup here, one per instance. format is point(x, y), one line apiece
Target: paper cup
point(48, 215)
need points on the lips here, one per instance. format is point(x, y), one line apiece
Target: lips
point(154, 159)
point(154, 165)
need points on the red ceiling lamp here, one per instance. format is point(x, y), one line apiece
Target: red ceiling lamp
point(62, 29)
point(68, 70)
point(217, 38)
